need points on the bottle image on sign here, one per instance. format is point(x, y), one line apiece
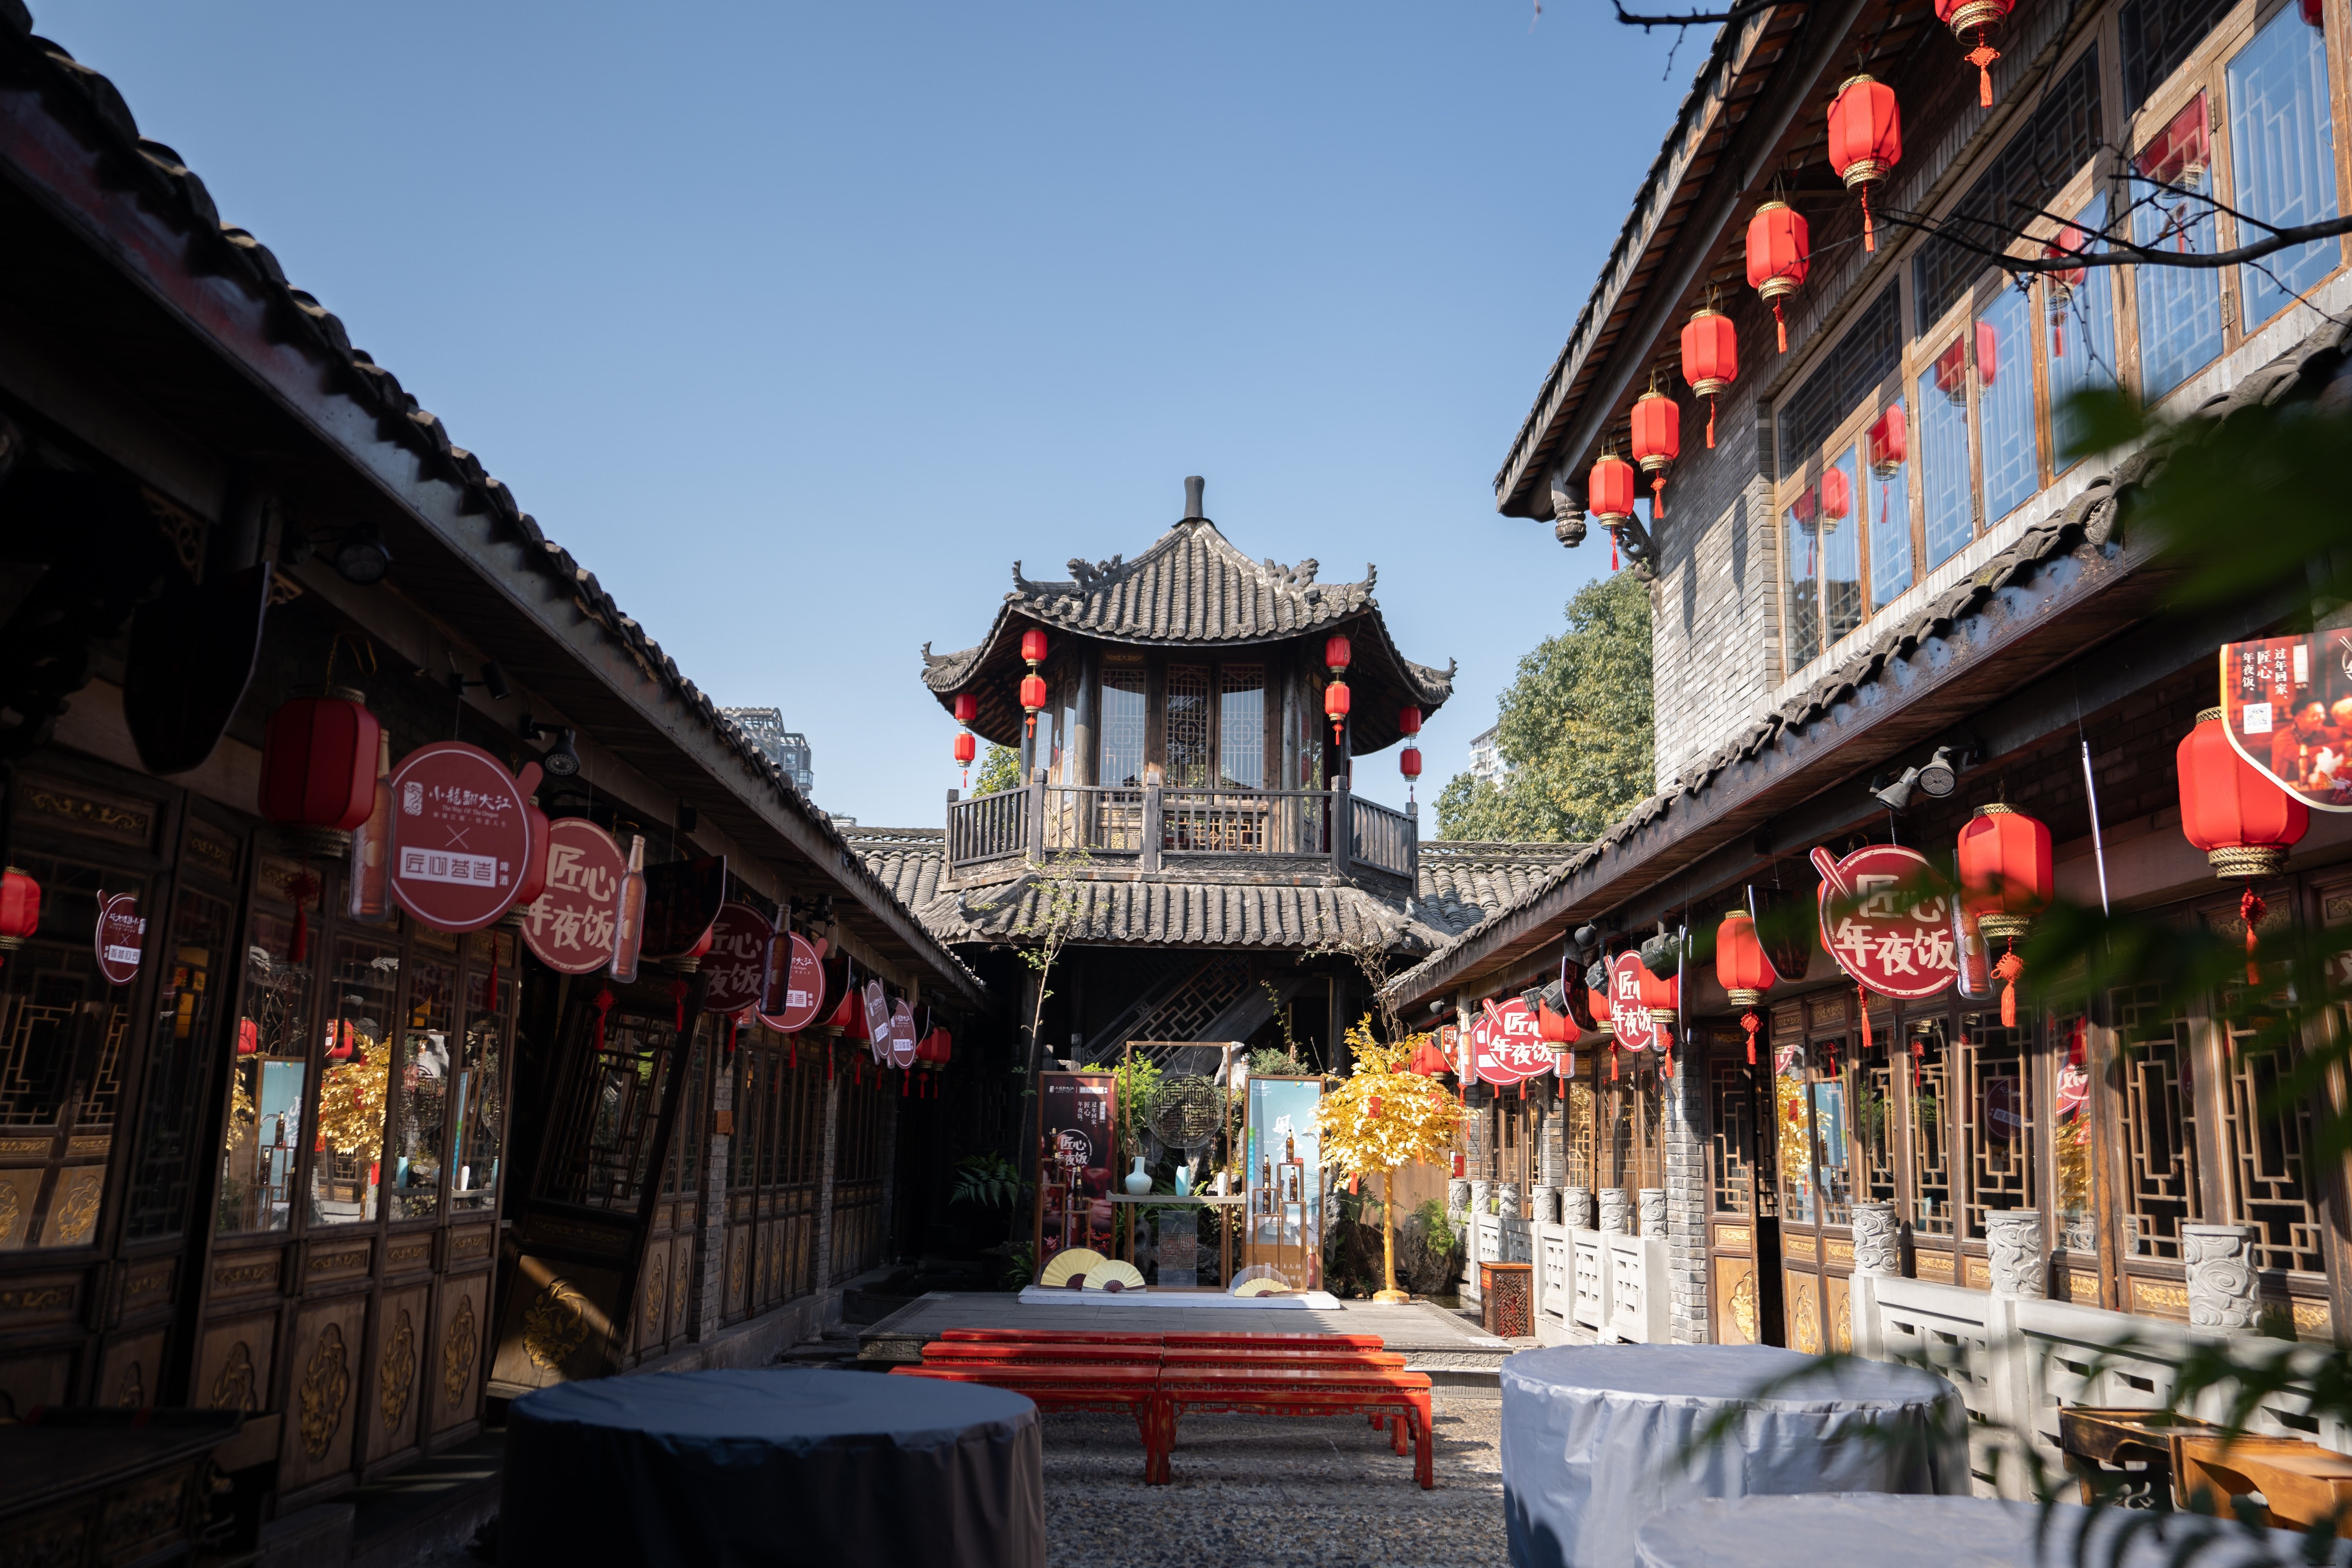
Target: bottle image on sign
point(801, 989)
point(629, 925)
point(460, 837)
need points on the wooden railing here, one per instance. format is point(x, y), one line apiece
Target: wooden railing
point(1146, 826)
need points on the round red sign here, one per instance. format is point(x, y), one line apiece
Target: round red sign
point(1636, 1029)
point(902, 1035)
point(459, 836)
point(877, 1021)
point(120, 938)
point(738, 957)
point(803, 989)
point(570, 927)
point(1506, 1044)
point(1886, 917)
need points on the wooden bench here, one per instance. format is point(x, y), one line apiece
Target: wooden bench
point(2301, 1483)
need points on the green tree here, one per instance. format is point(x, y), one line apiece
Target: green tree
point(1575, 727)
point(999, 768)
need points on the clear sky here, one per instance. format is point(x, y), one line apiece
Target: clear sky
point(799, 323)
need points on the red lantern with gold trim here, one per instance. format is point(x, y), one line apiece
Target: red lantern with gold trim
point(1743, 971)
point(1710, 359)
point(1967, 16)
point(1865, 139)
point(1409, 762)
point(1032, 699)
point(20, 909)
point(1780, 252)
point(1335, 707)
point(2243, 820)
point(1609, 494)
point(1657, 441)
point(1409, 720)
point(1032, 646)
point(966, 749)
point(2006, 879)
point(1338, 653)
point(1664, 999)
point(318, 770)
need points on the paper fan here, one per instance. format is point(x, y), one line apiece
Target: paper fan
point(1071, 1263)
point(1248, 1282)
point(1264, 1287)
point(1114, 1274)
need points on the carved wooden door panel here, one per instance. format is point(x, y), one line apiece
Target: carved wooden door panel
point(1743, 1224)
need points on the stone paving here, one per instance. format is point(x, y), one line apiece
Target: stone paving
point(1257, 1491)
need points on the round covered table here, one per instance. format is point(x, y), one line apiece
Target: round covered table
point(1879, 1532)
point(1597, 1438)
point(721, 1468)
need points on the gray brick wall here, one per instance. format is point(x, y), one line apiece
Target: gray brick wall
point(1686, 1194)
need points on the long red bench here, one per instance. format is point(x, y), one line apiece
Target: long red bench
point(1278, 1391)
point(1130, 1390)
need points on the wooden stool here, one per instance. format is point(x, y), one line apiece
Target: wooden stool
point(2302, 1482)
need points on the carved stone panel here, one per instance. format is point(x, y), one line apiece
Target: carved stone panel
point(1506, 1200)
point(1575, 1207)
point(1547, 1205)
point(395, 1381)
point(455, 1358)
point(1613, 1209)
point(2223, 1281)
point(1479, 1192)
point(2016, 1266)
point(1878, 1239)
point(325, 1367)
point(1652, 1204)
point(1457, 1196)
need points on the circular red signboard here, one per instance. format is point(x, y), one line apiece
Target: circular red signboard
point(570, 927)
point(902, 1035)
point(1636, 1029)
point(120, 939)
point(1506, 1044)
point(1886, 918)
point(877, 1021)
point(738, 955)
point(459, 836)
point(804, 990)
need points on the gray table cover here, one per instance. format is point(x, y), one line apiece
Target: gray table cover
point(1880, 1532)
point(785, 1466)
point(1597, 1438)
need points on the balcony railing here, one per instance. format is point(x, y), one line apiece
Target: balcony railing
point(1152, 827)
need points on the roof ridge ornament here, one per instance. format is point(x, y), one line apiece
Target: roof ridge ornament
point(1194, 485)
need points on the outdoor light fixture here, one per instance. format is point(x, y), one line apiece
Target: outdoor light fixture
point(494, 682)
point(362, 558)
point(1896, 796)
point(562, 759)
point(1941, 776)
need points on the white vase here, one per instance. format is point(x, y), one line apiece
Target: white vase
point(1139, 1180)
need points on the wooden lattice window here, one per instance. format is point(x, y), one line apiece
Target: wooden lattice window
point(2269, 1133)
point(1576, 1136)
point(1931, 1132)
point(2002, 1118)
point(2159, 1131)
point(1732, 1136)
point(1190, 755)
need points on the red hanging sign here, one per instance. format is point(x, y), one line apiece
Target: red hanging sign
point(120, 938)
point(902, 1035)
point(1886, 918)
point(2286, 704)
point(803, 989)
point(1505, 1047)
point(1629, 1015)
point(570, 927)
point(878, 1019)
point(738, 952)
point(459, 836)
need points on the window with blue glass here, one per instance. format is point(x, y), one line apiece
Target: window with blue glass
point(1801, 556)
point(2282, 157)
point(1887, 499)
point(1841, 549)
point(2080, 330)
point(2004, 349)
point(1946, 478)
point(2179, 307)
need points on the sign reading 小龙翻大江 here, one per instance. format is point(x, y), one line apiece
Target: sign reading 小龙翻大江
point(121, 939)
point(569, 927)
point(459, 836)
point(2286, 704)
point(902, 1034)
point(801, 987)
point(1886, 918)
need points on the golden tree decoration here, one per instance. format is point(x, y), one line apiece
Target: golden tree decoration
point(352, 1095)
point(1383, 1115)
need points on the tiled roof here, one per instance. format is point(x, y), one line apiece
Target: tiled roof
point(1463, 880)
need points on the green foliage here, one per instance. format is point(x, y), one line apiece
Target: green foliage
point(1138, 1086)
point(999, 768)
point(1438, 1225)
point(1576, 728)
point(1267, 1062)
point(985, 1182)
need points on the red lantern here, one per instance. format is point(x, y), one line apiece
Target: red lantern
point(966, 749)
point(1890, 442)
point(1032, 699)
point(1032, 646)
point(1710, 359)
point(967, 707)
point(1657, 441)
point(1409, 762)
point(1836, 498)
point(1663, 999)
point(1337, 652)
point(2006, 879)
point(2243, 820)
point(20, 909)
point(1409, 720)
point(1743, 971)
point(2062, 282)
point(1865, 141)
point(1428, 1060)
point(1961, 17)
point(1988, 354)
point(1335, 707)
point(248, 1037)
point(1780, 250)
point(318, 769)
point(1952, 371)
point(1610, 496)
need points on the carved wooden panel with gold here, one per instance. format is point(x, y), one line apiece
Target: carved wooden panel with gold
point(454, 1371)
point(36, 1301)
point(325, 1366)
point(233, 1364)
point(337, 1262)
point(390, 1398)
point(560, 1324)
point(1736, 1308)
point(1733, 1237)
point(1929, 1264)
point(1803, 1303)
point(131, 1370)
point(246, 1273)
point(653, 1307)
point(471, 1245)
point(147, 1290)
point(410, 1254)
point(1797, 1242)
point(1841, 1312)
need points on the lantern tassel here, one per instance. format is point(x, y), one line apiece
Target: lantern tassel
point(1782, 322)
point(678, 989)
point(1982, 57)
point(2251, 909)
point(1863, 997)
point(1612, 1062)
point(1710, 424)
point(2007, 971)
point(1751, 1023)
point(1869, 234)
point(1612, 550)
point(1658, 496)
point(604, 1006)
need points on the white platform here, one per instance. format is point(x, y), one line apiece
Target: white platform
point(1307, 1300)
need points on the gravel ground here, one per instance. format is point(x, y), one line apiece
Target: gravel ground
point(1253, 1490)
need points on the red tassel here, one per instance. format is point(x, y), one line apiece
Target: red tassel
point(677, 990)
point(1982, 57)
point(1612, 1062)
point(1780, 321)
point(1612, 550)
point(1710, 424)
point(1869, 236)
point(2251, 909)
point(1751, 1023)
point(1658, 496)
point(1523, 1089)
point(604, 1006)
point(1666, 1062)
point(1863, 997)
point(2006, 970)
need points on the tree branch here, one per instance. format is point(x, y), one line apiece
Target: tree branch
point(2127, 253)
point(1739, 13)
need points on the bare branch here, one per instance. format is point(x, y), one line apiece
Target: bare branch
point(1739, 13)
point(2127, 253)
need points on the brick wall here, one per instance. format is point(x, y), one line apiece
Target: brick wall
point(1687, 1193)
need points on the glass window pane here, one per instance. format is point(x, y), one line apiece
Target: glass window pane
point(2159, 36)
point(477, 1087)
point(176, 1069)
point(1841, 548)
point(1792, 1103)
point(1889, 504)
point(1188, 726)
point(1122, 726)
point(2179, 309)
point(1241, 726)
point(417, 1133)
point(264, 1135)
point(2069, 1137)
point(1945, 480)
point(2081, 329)
point(1849, 375)
point(2005, 351)
point(1801, 555)
point(2284, 139)
point(345, 1168)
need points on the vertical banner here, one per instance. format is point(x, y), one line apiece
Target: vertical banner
point(1077, 1111)
point(1284, 1167)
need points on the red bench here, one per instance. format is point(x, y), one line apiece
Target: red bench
point(1131, 1390)
point(1281, 1391)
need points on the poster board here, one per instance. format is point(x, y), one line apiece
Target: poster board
point(1282, 1170)
point(1075, 1160)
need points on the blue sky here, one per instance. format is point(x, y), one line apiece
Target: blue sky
point(798, 325)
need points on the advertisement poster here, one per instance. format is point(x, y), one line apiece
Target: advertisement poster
point(2286, 703)
point(459, 836)
point(1077, 1112)
point(1506, 1044)
point(1886, 920)
point(1285, 1180)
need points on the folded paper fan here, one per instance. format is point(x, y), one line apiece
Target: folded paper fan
point(1072, 1263)
point(1258, 1279)
point(1263, 1288)
point(1114, 1274)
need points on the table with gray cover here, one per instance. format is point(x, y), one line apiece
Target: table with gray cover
point(1874, 1530)
point(785, 1466)
point(1597, 1438)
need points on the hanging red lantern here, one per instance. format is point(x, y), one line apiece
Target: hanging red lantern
point(1743, 971)
point(966, 748)
point(967, 708)
point(1890, 442)
point(1965, 16)
point(1032, 646)
point(318, 770)
point(1657, 442)
point(1337, 652)
point(1032, 699)
point(1780, 251)
point(20, 909)
point(2006, 879)
point(1988, 354)
point(2062, 282)
point(1428, 1060)
point(1610, 496)
point(1335, 707)
point(2238, 816)
point(1836, 498)
point(1710, 359)
point(1409, 720)
point(1865, 141)
point(1409, 762)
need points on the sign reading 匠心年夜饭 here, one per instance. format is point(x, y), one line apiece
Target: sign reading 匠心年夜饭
point(459, 836)
point(1886, 918)
point(570, 927)
point(738, 958)
point(2286, 706)
point(1505, 1047)
point(1629, 1018)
